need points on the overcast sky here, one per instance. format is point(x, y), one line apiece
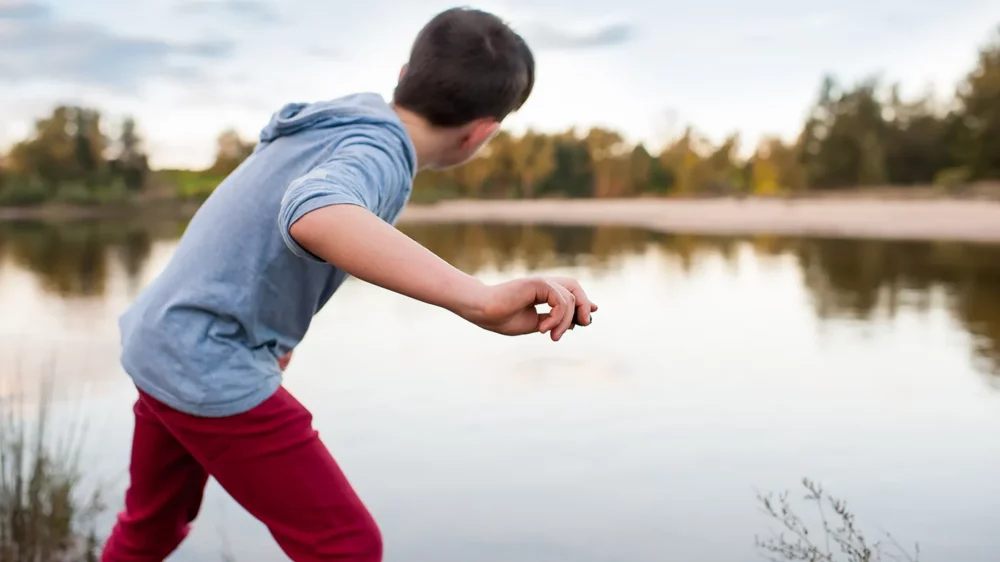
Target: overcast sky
point(189, 68)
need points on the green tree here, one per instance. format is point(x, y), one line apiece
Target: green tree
point(574, 172)
point(131, 162)
point(916, 148)
point(681, 158)
point(65, 147)
point(89, 145)
point(533, 159)
point(724, 171)
point(641, 166)
point(843, 139)
point(979, 95)
point(608, 160)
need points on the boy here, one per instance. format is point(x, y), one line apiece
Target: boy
point(207, 341)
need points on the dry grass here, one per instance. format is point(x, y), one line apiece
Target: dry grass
point(838, 538)
point(42, 517)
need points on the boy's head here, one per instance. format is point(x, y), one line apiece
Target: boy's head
point(467, 71)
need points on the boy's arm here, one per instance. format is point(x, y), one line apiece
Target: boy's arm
point(361, 244)
point(364, 246)
point(335, 213)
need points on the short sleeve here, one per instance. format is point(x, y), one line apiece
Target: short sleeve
point(361, 172)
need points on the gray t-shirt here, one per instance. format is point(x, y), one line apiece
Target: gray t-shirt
point(205, 336)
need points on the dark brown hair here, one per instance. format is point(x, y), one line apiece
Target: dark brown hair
point(465, 65)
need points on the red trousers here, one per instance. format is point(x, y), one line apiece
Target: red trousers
point(269, 459)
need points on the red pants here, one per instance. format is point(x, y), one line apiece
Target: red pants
point(269, 459)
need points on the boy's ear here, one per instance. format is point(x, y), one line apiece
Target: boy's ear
point(402, 72)
point(481, 132)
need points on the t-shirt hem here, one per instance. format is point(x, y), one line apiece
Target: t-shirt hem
point(220, 410)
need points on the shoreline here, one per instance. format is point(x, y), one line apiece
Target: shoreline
point(152, 208)
point(847, 217)
point(953, 220)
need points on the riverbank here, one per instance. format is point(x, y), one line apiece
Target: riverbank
point(168, 208)
point(958, 220)
point(852, 217)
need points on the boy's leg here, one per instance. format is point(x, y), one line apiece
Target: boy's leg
point(163, 497)
point(273, 463)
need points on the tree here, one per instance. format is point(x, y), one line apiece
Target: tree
point(533, 158)
point(724, 172)
point(844, 138)
point(641, 167)
point(231, 152)
point(786, 158)
point(607, 149)
point(131, 163)
point(471, 177)
point(66, 147)
point(764, 176)
point(916, 148)
point(89, 145)
point(574, 171)
point(979, 95)
point(681, 159)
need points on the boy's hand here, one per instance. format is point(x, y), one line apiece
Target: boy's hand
point(509, 308)
point(284, 360)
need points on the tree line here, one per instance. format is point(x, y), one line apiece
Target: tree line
point(861, 135)
point(865, 134)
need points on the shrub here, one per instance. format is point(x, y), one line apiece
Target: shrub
point(952, 179)
point(23, 193)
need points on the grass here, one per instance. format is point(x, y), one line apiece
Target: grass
point(839, 539)
point(188, 184)
point(42, 516)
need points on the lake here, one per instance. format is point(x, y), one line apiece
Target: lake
point(716, 368)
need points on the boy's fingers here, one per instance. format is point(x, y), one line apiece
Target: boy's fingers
point(583, 307)
point(569, 306)
point(557, 303)
point(543, 319)
point(583, 303)
point(567, 314)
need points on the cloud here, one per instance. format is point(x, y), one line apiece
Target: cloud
point(322, 52)
point(256, 10)
point(544, 36)
point(22, 10)
point(43, 48)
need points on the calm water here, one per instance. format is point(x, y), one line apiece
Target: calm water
point(716, 368)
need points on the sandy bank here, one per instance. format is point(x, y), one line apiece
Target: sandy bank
point(973, 221)
point(930, 219)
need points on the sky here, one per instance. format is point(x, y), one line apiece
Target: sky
point(187, 69)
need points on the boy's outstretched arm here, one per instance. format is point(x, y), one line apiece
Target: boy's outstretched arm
point(361, 244)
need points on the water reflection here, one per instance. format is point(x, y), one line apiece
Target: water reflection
point(73, 259)
point(855, 279)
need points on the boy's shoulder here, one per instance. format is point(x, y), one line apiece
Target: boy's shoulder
point(366, 116)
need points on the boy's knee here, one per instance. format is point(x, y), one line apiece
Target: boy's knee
point(135, 543)
point(362, 543)
point(369, 543)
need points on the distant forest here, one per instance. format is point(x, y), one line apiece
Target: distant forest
point(855, 136)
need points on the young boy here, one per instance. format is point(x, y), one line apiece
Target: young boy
point(207, 341)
